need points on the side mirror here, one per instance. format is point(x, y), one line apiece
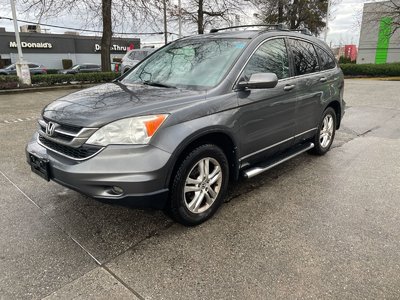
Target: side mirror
point(259, 81)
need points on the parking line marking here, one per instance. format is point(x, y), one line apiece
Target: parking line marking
point(17, 120)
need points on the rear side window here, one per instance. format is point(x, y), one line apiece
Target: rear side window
point(327, 62)
point(305, 57)
point(137, 55)
point(270, 57)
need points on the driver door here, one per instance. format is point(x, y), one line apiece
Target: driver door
point(266, 116)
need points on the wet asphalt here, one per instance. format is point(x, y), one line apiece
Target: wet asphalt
point(313, 227)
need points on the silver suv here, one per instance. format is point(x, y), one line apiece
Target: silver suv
point(198, 113)
point(133, 57)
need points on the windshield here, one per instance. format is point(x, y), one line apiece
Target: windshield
point(10, 67)
point(192, 64)
point(75, 67)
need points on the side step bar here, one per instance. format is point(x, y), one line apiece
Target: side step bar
point(262, 167)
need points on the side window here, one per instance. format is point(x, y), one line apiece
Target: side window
point(83, 67)
point(305, 57)
point(327, 62)
point(270, 57)
point(132, 55)
point(32, 66)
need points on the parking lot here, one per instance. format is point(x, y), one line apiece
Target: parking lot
point(313, 227)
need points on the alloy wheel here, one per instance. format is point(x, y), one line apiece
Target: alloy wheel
point(326, 132)
point(202, 185)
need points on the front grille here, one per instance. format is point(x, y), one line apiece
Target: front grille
point(82, 152)
point(58, 135)
point(65, 127)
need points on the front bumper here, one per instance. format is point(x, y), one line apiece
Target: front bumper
point(139, 171)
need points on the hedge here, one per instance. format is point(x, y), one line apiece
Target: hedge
point(371, 70)
point(51, 79)
point(8, 82)
point(11, 82)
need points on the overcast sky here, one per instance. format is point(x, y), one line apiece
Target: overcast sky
point(344, 28)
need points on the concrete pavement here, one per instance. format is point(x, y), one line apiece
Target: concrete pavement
point(314, 227)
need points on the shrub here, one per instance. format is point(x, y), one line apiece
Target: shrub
point(52, 79)
point(67, 63)
point(96, 77)
point(8, 82)
point(371, 70)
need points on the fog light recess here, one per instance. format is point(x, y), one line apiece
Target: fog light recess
point(116, 190)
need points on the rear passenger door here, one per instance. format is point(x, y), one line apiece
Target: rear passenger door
point(309, 92)
point(266, 116)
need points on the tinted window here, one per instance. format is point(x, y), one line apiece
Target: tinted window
point(31, 66)
point(327, 62)
point(83, 67)
point(305, 57)
point(270, 57)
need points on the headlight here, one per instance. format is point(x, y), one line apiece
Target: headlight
point(137, 130)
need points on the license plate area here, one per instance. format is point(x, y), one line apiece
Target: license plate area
point(39, 166)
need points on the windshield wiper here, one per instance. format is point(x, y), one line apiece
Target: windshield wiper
point(158, 84)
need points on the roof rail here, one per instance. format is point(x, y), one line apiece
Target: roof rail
point(305, 31)
point(280, 26)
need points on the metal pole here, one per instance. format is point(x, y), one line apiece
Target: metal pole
point(165, 22)
point(327, 20)
point(22, 69)
point(180, 18)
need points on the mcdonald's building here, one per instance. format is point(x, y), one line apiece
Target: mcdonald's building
point(50, 49)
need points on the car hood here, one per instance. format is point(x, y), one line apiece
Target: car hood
point(99, 105)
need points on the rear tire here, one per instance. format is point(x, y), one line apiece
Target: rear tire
point(199, 185)
point(326, 132)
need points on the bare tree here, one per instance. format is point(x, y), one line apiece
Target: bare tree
point(93, 13)
point(207, 13)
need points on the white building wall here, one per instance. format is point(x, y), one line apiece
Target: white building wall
point(372, 14)
point(54, 60)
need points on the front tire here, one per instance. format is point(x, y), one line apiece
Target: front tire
point(326, 132)
point(199, 185)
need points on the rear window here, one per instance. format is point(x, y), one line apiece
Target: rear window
point(327, 61)
point(305, 57)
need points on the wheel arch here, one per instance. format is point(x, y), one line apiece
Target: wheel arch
point(218, 137)
point(338, 110)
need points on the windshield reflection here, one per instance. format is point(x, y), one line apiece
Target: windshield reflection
point(191, 64)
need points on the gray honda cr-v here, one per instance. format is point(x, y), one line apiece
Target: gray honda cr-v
point(194, 115)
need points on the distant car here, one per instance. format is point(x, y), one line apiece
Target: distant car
point(33, 68)
point(81, 68)
point(133, 57)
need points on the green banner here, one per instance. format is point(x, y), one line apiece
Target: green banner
point(385, 31)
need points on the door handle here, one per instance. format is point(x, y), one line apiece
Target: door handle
point(323, 79)
point(288, 87)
